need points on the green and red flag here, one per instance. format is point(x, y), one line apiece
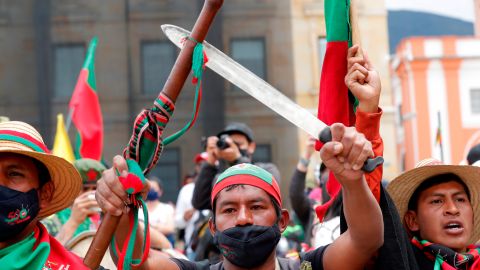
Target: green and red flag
point(336, 104)
point(85, 109)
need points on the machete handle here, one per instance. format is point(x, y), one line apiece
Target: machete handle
point(369, 165)
point(183, 65)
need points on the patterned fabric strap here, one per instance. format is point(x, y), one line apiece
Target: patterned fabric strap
point(448, 259)
point(133, 184)
point(199, 60)
point(146, 144)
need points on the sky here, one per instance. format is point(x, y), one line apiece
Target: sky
point(459, 9)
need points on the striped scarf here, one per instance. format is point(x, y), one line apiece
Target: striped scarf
point(39, 251)
point(448, 259)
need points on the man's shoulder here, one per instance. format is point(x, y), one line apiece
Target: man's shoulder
point(187, 187)
point(313, 259)
point(165, 207)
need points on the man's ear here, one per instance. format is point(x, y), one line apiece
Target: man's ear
point(46, 194)
point(251, 147)
point(410, 220)
point(284, 220)
point(211, 226)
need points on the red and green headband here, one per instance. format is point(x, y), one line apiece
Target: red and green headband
point(247, 174)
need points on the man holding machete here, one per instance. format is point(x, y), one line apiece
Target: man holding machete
point(248, 206)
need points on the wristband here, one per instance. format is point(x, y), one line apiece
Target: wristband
point(304, 161)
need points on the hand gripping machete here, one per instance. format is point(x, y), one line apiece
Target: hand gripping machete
point(262, 91)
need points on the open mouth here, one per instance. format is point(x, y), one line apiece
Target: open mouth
point(453, 227)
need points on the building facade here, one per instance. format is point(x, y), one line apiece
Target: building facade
point(308, 32)
point(44, 44)
point(437, 91)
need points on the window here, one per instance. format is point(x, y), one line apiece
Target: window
point(322, 48)
point(157, 61)
point(475, 100)
point(68, 62)
point(263, 153)
point(250, 53)
point(168, 170)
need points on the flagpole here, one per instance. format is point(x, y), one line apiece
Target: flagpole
point(440, 136)
point(356, 39)
point(69, 119)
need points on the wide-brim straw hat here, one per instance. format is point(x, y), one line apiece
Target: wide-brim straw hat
point(402, 188)
point(21, 138)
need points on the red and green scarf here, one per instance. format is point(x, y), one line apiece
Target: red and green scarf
point(39, 251)
point(448, 259)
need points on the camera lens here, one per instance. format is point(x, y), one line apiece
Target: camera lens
point(222, 142)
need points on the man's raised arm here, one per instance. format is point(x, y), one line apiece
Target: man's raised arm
point(344, 156)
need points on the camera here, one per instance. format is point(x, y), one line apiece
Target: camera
point(222, 142)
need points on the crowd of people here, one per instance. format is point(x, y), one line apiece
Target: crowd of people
point(229, 213)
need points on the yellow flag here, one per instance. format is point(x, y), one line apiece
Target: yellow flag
point(4, 119)
point(62, 146)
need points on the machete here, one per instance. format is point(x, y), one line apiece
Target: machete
point(262, 91)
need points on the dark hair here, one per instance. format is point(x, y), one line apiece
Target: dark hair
point(336, 208)
point(322, 167)
point(433, 181)
point(158, 180)
point(276, 206)
point(43, 173)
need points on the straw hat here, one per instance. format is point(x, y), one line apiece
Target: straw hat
point(402, 188)
point(21, 138)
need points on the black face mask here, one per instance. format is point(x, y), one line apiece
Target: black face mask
point(17, 210)
point(244, 153)
point(247, 246)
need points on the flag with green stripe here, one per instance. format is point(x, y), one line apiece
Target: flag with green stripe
point(334, 105)
point(85, 110)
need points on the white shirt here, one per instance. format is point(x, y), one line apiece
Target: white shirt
point(184, 203)
point(324, 233)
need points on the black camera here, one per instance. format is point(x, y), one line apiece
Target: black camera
point(222, 142)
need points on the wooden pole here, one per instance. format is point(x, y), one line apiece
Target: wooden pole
point(354, 25)
point(172, 88)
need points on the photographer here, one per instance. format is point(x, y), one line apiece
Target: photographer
point(234, 145)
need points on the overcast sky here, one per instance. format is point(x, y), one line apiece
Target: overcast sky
point(460, 9)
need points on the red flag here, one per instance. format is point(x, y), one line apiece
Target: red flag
point(85, 109)
point(334, 105)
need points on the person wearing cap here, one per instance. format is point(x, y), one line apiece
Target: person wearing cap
point(233, 145)
point(248, 217)
point(84, 214)
point(33, 185)
point(439, 207)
